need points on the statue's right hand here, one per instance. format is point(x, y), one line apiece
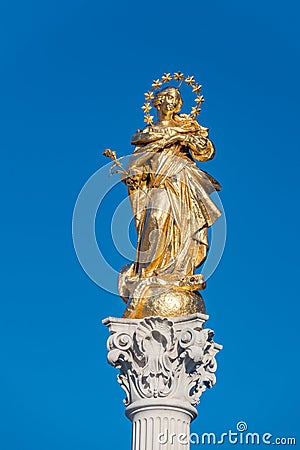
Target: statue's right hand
point(132, 182)
point(137, 179)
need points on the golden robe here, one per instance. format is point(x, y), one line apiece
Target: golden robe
point(172, 208)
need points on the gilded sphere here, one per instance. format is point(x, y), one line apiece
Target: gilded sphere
point(174, 303)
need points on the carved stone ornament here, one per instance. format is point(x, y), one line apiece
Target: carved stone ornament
point(159, 358)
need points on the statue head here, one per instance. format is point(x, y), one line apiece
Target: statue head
point(168, 100)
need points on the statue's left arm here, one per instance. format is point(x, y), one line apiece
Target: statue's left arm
point(202, 149)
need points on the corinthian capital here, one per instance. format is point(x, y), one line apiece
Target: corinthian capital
point(160, 358)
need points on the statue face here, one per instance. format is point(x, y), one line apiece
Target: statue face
point(170, 101)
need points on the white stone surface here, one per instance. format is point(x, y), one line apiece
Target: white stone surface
point(165, 366)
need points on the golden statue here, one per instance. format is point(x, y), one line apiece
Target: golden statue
point(171, 204)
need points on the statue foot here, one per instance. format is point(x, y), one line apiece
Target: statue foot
point(194, 282)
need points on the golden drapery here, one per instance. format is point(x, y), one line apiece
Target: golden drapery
point(170, 200)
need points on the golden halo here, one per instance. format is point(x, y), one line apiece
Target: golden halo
point(166, 78)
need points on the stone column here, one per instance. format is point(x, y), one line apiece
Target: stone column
point(165, 366)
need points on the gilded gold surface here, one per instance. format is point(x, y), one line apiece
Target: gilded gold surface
point(170, 200)
point(167, 304)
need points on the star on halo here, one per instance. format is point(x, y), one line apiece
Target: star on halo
point(166, 77)
point(197, 88)
point(190, 80)
point(146, 107)
point(149, 95)
point(199, 99)
point(195, 111)
point(178, 76)
point(156, 84)
point(148, 118)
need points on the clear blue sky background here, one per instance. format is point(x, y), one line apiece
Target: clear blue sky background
point(72, 77)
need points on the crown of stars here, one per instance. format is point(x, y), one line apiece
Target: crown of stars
point(166, 78)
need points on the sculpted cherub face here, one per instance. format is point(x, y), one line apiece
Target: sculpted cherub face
point(168, 100)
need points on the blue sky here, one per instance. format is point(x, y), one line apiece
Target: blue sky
point(73, 76)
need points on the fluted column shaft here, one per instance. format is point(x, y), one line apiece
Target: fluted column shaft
point(158, 429)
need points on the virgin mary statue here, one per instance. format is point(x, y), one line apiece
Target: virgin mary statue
point(172, 208)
